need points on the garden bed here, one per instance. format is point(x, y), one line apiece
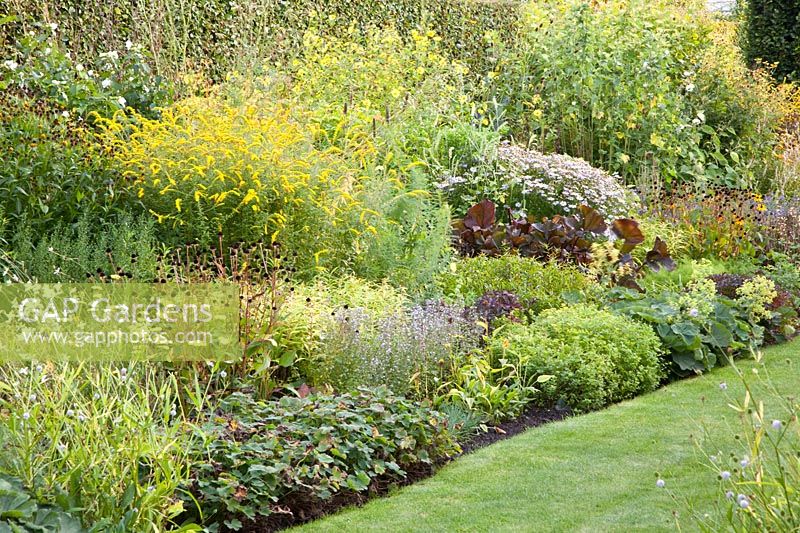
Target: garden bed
point(406, 232)
point(305, 509)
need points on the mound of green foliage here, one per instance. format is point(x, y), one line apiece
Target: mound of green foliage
point(595, 357)
point(538, 286)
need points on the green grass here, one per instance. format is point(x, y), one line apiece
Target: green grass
point(590, 473)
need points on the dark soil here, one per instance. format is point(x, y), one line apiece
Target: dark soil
point(534, 416)
point(301, 508)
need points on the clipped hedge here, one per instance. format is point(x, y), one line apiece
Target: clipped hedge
point(773, 35)
point(213, 35)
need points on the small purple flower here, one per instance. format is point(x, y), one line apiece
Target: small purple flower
point(777, 424)
point(744, 462)
point(744, 504)
point(723, 386)
point(729, 494)
point(725, 475)
point(660, 483)
point(693, 312)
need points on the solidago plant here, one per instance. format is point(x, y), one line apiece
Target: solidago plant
point(245, 169)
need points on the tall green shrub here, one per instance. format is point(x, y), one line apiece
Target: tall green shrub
point(644, 89)
point(773, 35)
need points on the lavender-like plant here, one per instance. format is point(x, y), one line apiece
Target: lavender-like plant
point(411, 351)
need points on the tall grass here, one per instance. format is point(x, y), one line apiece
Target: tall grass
point(106, 440)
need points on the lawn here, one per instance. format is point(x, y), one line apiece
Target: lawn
point(595, 472)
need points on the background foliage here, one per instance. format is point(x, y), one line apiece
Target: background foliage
point(216, 36)
point(635, 88)
point(773, 35)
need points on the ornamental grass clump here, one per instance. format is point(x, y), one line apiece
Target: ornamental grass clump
point(758, 480)
point(106, 440)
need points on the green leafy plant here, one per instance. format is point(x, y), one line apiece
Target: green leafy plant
point(254, 459)
point(19, 511)
point(765, 302)
point(49, 173)
point(595, 357)
point(410, 243)
point(39, 66)
point(494, 388)
point(685, 272)
point(308, 313)
point(783, 270)
point(698, 328)
point(538, 286)
point(462, 422)
point(463, 161)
